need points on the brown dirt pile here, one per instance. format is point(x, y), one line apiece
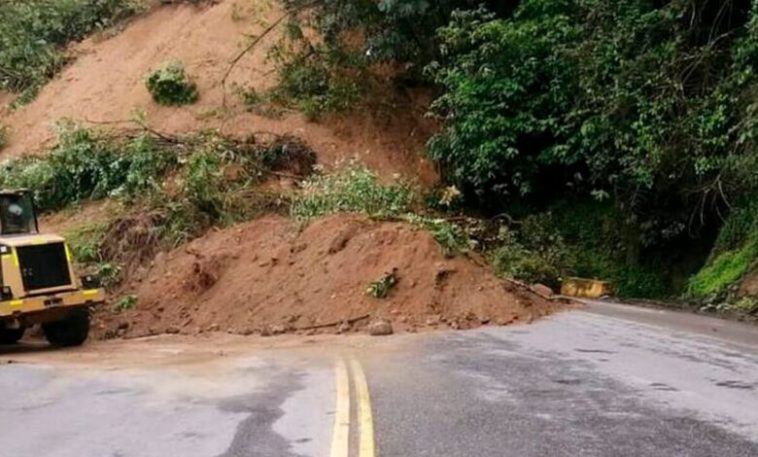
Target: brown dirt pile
point(268, 277)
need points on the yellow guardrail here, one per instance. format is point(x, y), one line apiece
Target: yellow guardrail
point(585, 288)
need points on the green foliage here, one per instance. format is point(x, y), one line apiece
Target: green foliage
point(34, 33)
point(87, 165)
point(317, 79)
point(646, 103)
point(382, 287)
point(85, 241)
point(3, 137)
point(451, 238)
point(354, 189)
point(744, 305)
point(739, 228)
point(394, 30)
point(512, 259)
point(170, 85)
point(203, 182)
point(126, 303)
point(110, 274)
point(722, 271)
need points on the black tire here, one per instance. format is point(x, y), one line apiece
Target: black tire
point(71, 331)
point(11, 335)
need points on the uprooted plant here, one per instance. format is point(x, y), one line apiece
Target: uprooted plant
point(170, 85)
point(172, 188)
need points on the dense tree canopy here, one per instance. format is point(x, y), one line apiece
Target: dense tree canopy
point(653, 103)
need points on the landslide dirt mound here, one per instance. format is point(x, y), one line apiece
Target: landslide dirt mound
point(105, 84)
point(268, 277)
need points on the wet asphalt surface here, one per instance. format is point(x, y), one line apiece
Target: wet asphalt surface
point(605, 381)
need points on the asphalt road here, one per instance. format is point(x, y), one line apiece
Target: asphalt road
point(604, 381)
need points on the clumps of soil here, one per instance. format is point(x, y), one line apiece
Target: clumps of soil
point(269, 276)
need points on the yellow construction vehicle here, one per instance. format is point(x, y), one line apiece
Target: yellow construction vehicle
point(37, 280)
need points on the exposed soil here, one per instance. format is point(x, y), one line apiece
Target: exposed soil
point(749, 284)
point(105, 84)
point(269, 277)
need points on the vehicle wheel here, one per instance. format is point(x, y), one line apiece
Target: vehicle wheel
point(71, 331)
point(11, 335)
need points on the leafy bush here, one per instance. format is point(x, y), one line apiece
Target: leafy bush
point(84, 165)
point(647, 104)
point(317, 79)
point(34, 33)
point(170, 85)
point(451, 238)
point(513, 260)
point(354, 189)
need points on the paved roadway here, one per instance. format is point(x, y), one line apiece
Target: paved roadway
point(603, 381)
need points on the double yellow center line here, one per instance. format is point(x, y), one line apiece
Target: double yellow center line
point(341, 436)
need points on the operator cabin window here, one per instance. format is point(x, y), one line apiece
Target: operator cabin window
point(17, 215)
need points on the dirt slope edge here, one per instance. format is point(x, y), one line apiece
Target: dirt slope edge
point(266, 276)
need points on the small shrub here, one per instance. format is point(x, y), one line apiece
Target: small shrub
point(356, 190)
point(382, 287)
point(317, 79)
point(515, 261)
point(170, 85)
point(110, 274)
point(451, 238)
point(126, 303)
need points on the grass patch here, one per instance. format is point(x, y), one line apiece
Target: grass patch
point(722, 271)
point(358, 190)
point(353, 190)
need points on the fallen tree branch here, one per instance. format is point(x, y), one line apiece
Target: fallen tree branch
point(257, 40)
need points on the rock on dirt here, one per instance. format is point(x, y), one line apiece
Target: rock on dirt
point(380, 327)
point(315, 286)
point(542, 289)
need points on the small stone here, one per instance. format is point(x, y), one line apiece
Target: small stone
point(380, 327)
point(344, 327)
point(434, 320)
point(123, 326)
